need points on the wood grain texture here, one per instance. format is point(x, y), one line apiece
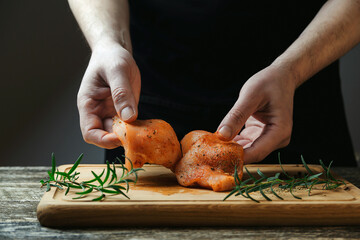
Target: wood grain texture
point(18, 218)
point(157, 200)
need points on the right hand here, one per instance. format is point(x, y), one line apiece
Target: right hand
point(110, 86)
point(265, 108)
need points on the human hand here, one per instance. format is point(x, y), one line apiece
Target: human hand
point(110, 86)
point(265, 107)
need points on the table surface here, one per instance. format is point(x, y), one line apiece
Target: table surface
point(20, 194)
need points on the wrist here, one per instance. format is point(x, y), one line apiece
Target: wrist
point(121, 40)
point(109, 47)
point(290, 69)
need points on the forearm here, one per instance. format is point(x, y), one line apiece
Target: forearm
point(103, 22)
point(333, 32)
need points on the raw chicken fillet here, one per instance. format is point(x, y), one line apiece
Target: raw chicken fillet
point(148, 141)
point(208, 161)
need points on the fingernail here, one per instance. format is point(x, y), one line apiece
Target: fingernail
point(127, 113)
point(225, 132)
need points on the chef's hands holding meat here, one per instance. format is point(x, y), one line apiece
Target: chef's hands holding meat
point(264, 107)
point(110, 86)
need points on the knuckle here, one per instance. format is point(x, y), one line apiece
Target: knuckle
point(286, 136)
point(80, 100)
point(119, 66)
point(119, 94)
point(85, 132)
point(85, 103)
point(78, 103)
point(237, 115)
point(286, 142)
point(86, 138)
point(126, 55)
point(89, 135)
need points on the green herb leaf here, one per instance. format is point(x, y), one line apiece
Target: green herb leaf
point(231, 193)
point(107, 171)
point(117, 187)
point(291, 188)
point(82, 196)
point(53, 164)
point(314, 176)
point(260, 173)
point(109, 191)
point(263, 194)
point(100, 198)
point(250, 175)
point(68, 180)
point(282, 169)
point(236, 175)
point(247, 194)
point(51, 176)
point(306, 166)
point(54, 185)
point(76, 164)
point(97, 178)
point(89, 190)
point(244, 188)
point(273, 192)
point(67, 190)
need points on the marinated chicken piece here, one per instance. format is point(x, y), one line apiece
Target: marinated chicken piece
point(208, 161)
point(148, 141)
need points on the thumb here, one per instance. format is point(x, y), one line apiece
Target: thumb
point(123, 97)
point(236, 117)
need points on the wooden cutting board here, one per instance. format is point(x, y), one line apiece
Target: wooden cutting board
point(158, 200)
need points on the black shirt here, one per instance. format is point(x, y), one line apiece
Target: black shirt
point(195, 55)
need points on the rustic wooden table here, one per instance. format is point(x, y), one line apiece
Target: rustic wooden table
point(20, 195)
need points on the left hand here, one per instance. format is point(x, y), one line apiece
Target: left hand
point(265, 107)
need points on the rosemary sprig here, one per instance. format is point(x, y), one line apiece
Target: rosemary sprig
point(111, 184)
point(253, 184)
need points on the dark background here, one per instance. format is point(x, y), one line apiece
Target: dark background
point(42, 59)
